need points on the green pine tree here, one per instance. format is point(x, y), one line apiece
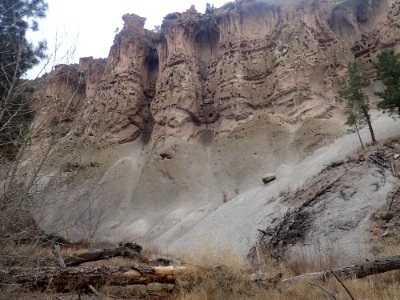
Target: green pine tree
point(17, 55)
point(357, 105)
point(388, 66)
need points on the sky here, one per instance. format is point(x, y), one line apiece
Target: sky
point(87, 27)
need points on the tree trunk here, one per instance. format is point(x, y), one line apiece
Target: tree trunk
point(359, 136)
point(368, 119)
point(381, 265)
point(71, 261)
point(79, 278)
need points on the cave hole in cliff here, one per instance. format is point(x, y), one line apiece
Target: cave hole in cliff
point(205, 39)
point(149, 81)
point(150, 72)
point(208, 113)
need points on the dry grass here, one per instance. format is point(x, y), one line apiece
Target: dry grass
point(25, 256)
point(225, 275)
point(112, 262)
point(229, 279)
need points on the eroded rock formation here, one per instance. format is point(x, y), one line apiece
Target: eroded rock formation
point(210, 71)
point(192, 116)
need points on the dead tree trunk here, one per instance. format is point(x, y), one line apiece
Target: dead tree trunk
point(71, 261)
point(381, 265)
point(79, 278)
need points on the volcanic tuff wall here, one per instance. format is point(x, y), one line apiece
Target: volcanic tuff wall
point(246, 56)
point(205, 106)
point(205, 71)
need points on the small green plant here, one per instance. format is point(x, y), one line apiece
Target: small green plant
point(209, 9)
point(157, 28)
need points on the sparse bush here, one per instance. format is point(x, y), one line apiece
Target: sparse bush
point(209, 9)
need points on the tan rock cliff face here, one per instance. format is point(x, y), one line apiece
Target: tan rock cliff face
point(62, 96)
point(121, 108)
point(210, 71)
point(195, 114)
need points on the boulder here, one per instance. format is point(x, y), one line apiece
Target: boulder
point(268, 178)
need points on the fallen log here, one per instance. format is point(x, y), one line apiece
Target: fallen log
point(81, 278)
point(76, 260)
point(361, 270)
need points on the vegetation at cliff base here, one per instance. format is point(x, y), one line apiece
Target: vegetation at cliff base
point(388, 66)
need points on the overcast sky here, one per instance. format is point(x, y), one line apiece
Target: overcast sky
point(89, 25)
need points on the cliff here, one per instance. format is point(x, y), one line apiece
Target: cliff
point(210, 71)
point(177, 123)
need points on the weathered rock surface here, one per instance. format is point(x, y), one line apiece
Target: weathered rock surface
point(192, 116)
point(62, 96)
point(210, 71)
